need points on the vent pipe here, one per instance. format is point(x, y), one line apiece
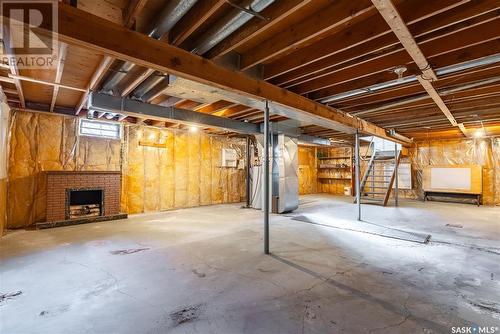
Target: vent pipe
point(168, 17)
point(412, 78)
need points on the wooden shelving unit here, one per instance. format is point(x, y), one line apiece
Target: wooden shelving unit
point(334, 178)
point(332, 158)
point(335, 169)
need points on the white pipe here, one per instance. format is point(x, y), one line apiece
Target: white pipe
point(412, 78)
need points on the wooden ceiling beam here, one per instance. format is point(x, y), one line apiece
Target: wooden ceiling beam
point(276, 12)
point(187, 104)
point(386, 61)
point(10, 91)
point(424, 31)
point(272, 118)
point(94, 81)
point(459, 107)
point(193, 19)
point(325, 22)
point(391, 15)
point(132, 11)
point(233, 111)
point(463, 116)
point(44, 82)
point(14, 71)
point(135, 79)
point(442, 134)
point(215, 107)
point(326, 51)
point(130, 15)
point(166, 101)
point(255, 114)
point(469, 101)
point(63, 47)
point(458, 56)
point(19, 86)
point(364, 109)
point(386, 95)
point(7, 80)
point(86, 30)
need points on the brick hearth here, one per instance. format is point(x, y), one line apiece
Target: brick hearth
point(59, 182)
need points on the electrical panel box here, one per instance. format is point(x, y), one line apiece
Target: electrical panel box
point(229, 157)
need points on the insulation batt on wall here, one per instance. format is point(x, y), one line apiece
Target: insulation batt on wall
point(484, 152)
point(308, 183)
point(185, 172)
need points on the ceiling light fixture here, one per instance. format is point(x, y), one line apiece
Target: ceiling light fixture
point(399, 72)
point(479, 133)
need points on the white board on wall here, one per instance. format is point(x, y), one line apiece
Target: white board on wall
point(404, 176)
point(451, 178)
point(461, 179)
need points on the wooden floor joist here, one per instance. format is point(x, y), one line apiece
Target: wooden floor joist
point(391, 15)
point(80, 28)
point(59, 71)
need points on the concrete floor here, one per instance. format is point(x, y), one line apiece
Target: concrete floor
point(202, 270)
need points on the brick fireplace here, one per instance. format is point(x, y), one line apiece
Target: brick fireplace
point(82, 197)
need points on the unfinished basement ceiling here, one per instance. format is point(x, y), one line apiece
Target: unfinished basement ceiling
point(330, 52)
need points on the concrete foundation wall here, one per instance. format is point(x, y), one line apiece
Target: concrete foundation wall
point(185, 172)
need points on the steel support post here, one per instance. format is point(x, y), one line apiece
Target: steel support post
point(266, 179)
point(249, 167)
point(396, 174)
point(358, 172)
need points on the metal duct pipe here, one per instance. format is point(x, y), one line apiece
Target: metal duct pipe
point(227, 25)
point(156, 90)
point(168, 17)
point(234, 20)
point(147, 84)
point(442, 92)
point(412, 78)
point(115, 77)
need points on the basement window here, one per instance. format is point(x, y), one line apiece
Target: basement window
point(100, 129)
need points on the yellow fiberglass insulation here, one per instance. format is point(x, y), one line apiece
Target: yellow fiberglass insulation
point(307, 170)
point(484, 152)
point(184, 171)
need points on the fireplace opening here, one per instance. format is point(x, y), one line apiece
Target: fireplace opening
point(84, 203)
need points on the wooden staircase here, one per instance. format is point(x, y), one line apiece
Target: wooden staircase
point(376, 184)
